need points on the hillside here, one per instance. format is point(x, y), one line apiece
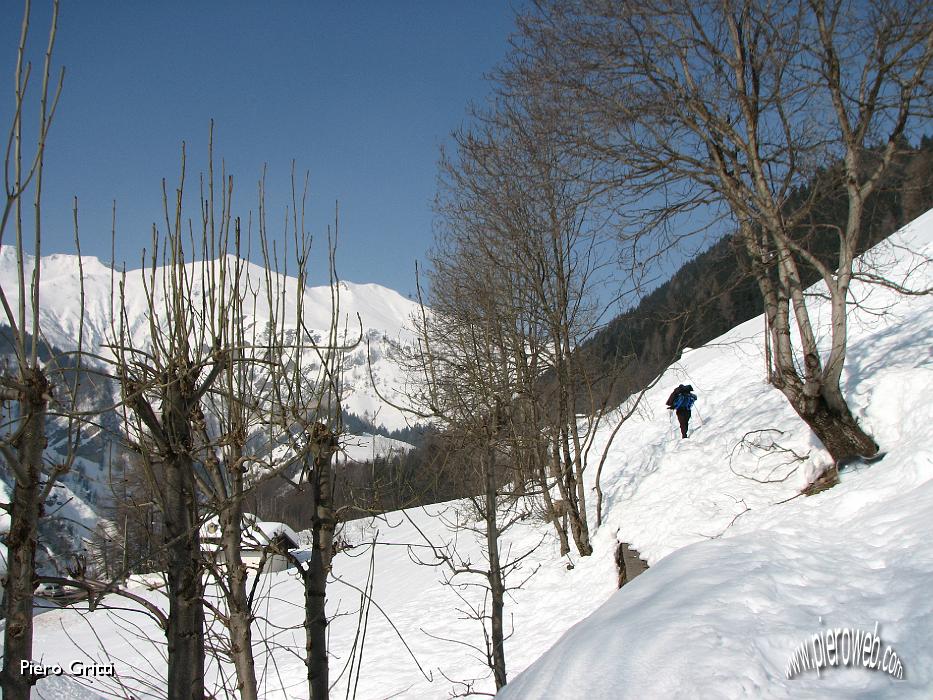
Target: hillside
point(724, 606)
point(742, 569)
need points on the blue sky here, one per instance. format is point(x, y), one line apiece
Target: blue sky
point(360, 94)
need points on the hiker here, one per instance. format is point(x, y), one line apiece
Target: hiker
point(682, 401)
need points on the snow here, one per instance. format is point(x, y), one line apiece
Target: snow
point(741, 571)
point(264, 532)
point(4, 515)
point(365, 447)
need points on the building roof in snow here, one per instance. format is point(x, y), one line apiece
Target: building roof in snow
point(256, 533)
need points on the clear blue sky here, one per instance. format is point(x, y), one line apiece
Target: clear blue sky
point(361, 94)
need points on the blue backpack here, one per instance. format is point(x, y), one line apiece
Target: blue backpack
point(684, 400)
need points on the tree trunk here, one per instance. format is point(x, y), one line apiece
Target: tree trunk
point(325, 520)
point(21, 556)
point(239, 614)
point(315, 580)
point(324, 443)
point(832, 422)
point(185, 632)
point(559, 523)
point(496, 585)
point(578, 528)
point(838, 430)
point(584, 546)
point(571, 493)
point(816, 396)
point(566, 484)
point(21, 541)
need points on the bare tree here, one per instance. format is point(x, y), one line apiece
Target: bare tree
point(519, 252)
point(30, 398)
point(227, 424)
point(322, 444)
point(517, 200)
point(467, 389)
point(483, 351)
point(691, 105)
point(224, 386)
point(166, 364)
point(243, 419)
point(309, 394)
point(163, 378)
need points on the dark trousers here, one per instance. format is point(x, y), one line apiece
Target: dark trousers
point(683, 415)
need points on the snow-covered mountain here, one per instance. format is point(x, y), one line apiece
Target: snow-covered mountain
point(743, 570)
point(384, 314)
point(84, 495)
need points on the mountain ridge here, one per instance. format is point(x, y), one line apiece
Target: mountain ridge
point(384, 315)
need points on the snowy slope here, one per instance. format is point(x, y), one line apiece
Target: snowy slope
point(722, 608)
point(384, 315)
point(366, 447)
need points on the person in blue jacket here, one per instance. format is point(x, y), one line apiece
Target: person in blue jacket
point(681, 401)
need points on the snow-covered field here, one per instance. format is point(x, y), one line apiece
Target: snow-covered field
point(742, 571)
